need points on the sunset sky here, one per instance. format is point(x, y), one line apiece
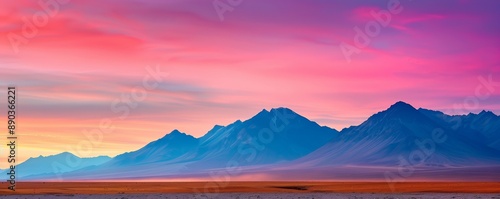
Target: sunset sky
point(219, 67)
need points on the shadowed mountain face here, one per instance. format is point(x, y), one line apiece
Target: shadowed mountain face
point(404, 135)
point(269, 137)
point(171, 146)
point(283, 143)
point(482, 128)
point(274, 136)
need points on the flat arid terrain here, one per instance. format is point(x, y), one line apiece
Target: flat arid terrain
point(253, 190)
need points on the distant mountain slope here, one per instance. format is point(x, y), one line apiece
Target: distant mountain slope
point(171, 146)
point(59, 163)
point(482, 128)
point(401, 132)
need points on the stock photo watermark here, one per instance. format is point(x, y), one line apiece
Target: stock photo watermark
point(223, 6)
point(30, 27)
point(249, 150)
point(122, 106)
point(427, 147)
point(406, 167)
point(363, 36)
point(11, 136)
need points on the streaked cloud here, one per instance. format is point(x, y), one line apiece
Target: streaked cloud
point(264, 54)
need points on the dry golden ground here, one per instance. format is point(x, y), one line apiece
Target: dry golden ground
point(249, 187)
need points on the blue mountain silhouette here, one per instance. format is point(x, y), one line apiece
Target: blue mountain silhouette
point(281, 142)
point(56, 164)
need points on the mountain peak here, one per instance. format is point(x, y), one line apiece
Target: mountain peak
point(487, 113)
point(263, 112)
point(401, 107)
point(52, 156)
point(401, 104)
point(61, 154)
point(175, 133)
point(213, 131)
point(280, 109)
point(215, 128)
point(399, 110)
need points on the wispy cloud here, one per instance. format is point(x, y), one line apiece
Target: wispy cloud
point(264, 54)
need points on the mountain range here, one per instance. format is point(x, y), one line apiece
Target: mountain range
point(54, 164)
point(280, 144)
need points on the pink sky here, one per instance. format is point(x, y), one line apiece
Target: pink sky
point(264, 54)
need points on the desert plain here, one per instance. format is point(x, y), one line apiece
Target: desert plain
point(123, 190)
